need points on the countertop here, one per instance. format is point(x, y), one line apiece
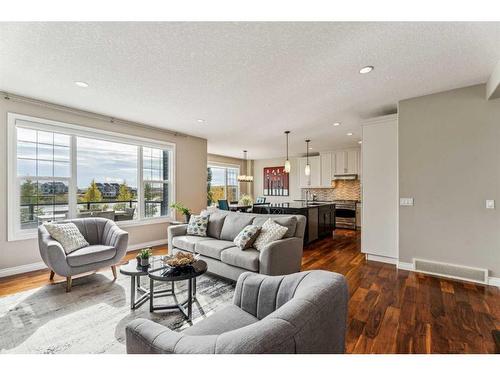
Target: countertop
point(301, 204)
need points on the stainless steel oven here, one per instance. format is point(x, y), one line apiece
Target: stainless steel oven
point(345, 214)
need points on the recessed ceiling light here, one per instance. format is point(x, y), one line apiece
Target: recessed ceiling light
point(336, 123)
point(360, 142)
point(81, 84)
point(310, 148)
point(349, 134)
point(366, 69)
point(200, 120)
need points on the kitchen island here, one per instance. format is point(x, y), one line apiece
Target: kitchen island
point(320, 216)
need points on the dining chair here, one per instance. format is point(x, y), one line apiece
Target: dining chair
point(260, 200)
point(223, 205)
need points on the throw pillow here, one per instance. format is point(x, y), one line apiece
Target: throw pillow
point(197, 225)
point(68, 235)
point(269, 232)
point(247, 236)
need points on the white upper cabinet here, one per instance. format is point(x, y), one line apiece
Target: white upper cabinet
point(347, 161)
point(314, 179)
point(327, 168)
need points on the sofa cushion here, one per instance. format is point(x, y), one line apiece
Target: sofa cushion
point(68, 235)
point(212, 247)
point(247, 236)
point(225, 320)
point(90, 254)
point(269, 232)
point(247, 259)
point(215, 223)
point(187, 242)
point(287, 221)
point(234, 224)
point(197, 225)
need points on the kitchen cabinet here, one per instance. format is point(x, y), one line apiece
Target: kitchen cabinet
point(314, 179)
point(327, 168)
point(326, 220)
point(347, 161)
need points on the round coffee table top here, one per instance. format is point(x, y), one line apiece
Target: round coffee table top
point(131, 268)
point(162, 272)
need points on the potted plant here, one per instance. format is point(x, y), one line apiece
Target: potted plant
point(246, 200)
point(143, 257)
point(182, 209)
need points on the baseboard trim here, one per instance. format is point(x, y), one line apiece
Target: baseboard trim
point(22, 269)
point(380, 258)
point(406, 266)
point(142, 245)
point(40, 265)
point(494, 281)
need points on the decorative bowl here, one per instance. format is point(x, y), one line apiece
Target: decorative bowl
point(181, 260)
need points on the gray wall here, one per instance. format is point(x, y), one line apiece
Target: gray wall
point(191, 174)
point(449, 161)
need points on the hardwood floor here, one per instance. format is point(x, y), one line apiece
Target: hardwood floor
point(390, 311)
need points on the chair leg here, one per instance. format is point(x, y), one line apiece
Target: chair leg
point(113, 268)
point(51, 275)
point(68, 284)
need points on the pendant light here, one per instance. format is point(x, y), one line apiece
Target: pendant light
point(242, 177)
point(307, 170)
point(287, 162)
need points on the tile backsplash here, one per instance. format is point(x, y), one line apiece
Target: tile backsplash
point(344, 189)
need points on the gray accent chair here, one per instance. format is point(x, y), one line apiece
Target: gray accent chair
point(223, 258)
point(301, 313)
point(108, 244)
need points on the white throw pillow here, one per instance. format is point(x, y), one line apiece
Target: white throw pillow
point(269, 232)
point(68, 235)
point(197, 225)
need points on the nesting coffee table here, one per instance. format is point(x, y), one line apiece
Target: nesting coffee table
point(160, 272)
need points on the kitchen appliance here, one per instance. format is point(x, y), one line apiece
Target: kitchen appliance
point(352, 176)
point(345, 214)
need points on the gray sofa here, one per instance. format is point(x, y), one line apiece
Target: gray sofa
point(225, 259)
point(301, 313)
point(108, 244)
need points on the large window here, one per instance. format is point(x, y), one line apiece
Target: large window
point(222, 183)
point(59, 171)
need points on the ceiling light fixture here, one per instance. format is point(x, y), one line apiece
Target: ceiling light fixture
point(349, 134)
point(81, 84)
point(288, 167)
point(200, 120)
point(242, 177)
point(336, 124)
point(360, 142)
point(366, 69)
point(307, 169)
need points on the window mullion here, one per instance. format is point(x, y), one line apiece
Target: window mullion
point(73, 188)
point(141, 206)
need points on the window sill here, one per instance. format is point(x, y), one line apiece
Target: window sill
point(33, 233)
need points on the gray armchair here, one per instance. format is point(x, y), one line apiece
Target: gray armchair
point(304, 312)
point(108, 244)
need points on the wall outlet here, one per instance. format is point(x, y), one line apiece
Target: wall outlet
point(490, 204)
point(406, 201)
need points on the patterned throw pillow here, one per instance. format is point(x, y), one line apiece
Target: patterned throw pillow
point(269, 232)
point(197, 225)
point(68, 235)
point(247, 236)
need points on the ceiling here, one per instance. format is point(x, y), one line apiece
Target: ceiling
point(249, 81)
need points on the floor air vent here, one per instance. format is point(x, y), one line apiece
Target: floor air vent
point(479, 275)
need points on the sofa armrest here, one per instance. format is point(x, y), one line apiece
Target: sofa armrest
point(281, 257)
point(146, 337)
point(174, 231)
point(116, 237)
point(52, 252)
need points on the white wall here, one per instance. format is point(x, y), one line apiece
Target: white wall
point(258, 175)
point(380, 187)
point(191, 165)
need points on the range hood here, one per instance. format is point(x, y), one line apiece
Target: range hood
point(345, 176)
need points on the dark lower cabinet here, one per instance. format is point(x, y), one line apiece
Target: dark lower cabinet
point(326, 220)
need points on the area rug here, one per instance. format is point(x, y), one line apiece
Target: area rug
point(92, 318)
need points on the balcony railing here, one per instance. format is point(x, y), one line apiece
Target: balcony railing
point(33, 214)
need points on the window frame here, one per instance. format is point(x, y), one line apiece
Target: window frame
point(15, 233)
point(227, 166)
